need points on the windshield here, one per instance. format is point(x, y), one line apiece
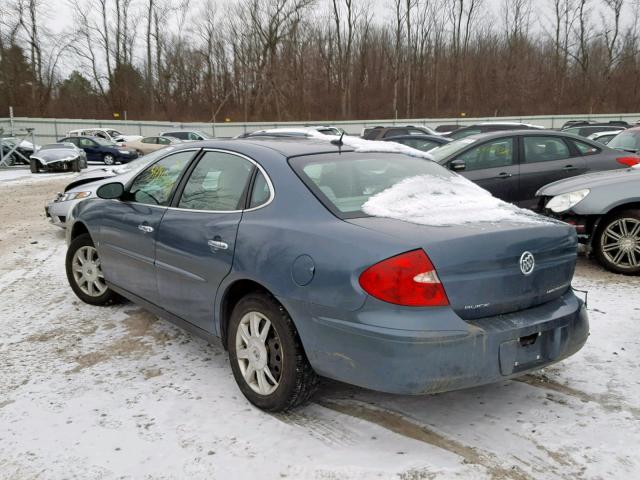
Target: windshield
point(445, 151)
point(345, 183)
point(628, 140)
point(142, 161)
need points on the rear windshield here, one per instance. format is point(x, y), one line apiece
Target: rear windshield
point(629, 140)
point(343, 183)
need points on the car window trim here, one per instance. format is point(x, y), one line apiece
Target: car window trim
point(248, 188)
point(516, 162)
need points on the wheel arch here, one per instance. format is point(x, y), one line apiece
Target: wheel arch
point(78, 228)
point(233, 293)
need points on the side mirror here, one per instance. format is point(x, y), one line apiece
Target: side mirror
point(458, 165)
point(110, 191)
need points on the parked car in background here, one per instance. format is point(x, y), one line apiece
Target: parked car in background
point(23, 150)
point(293, 132)
point(604, 137)
point(108, 134)
point(100, 150)
point(591, 128)
point(420, 142)
point(186, 135)
point(58, 157)
point(627, 141)
point(151, 144)
point(85, 185)
point(487, 127)
point(514, 165)
point(585, 123)
point(238, 239)
point(448, 128)
point(378, 133)
point(604, 207)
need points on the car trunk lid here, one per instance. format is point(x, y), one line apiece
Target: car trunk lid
point(480, 264)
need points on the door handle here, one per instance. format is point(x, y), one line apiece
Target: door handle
point(505, 175)
point(218, 244)
point(568, 168)
point(145, 228)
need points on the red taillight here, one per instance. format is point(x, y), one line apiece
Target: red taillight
point(628, 161)
point(408, 279)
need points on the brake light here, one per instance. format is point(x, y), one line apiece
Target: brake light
point(408, 279)
point(628, 161)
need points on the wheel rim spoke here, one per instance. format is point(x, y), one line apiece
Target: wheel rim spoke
point(258, 352)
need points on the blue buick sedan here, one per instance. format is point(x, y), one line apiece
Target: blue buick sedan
point(274, 246)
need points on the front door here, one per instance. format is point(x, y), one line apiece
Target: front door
point(196, 240)
point(129, 226)
point(494, 166)
point(545, 159)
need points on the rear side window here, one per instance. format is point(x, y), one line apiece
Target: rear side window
point(498, 153)
point(261, 193)
point(585, 148)
point(344, 183)
point(155, 185)
point(218, 183)
point(545, 149)
point(180, 135)
point(371, 133)
point(148, 140)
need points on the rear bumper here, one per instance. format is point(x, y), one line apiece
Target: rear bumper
point(423, 361)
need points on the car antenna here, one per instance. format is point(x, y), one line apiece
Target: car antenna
point(338, 142)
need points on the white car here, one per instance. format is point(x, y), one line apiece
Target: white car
point(85, 185)
point(604, 137)
point(105, 133)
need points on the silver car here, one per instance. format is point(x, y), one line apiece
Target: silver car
point(604, 208)
point(85, 186)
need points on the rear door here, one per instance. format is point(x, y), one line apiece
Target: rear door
point(197, 237)
point(91, 148)
point(494, 166)
point(129, 227)
point(546, 159)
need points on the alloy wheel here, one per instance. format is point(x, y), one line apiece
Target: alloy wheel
point(620, 243)
point(259, 353)
point(87, 271)
point(109, 160)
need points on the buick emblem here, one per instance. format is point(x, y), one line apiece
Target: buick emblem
point(527, 263)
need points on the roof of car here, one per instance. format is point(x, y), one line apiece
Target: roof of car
point(286, 146)
point(536, 132)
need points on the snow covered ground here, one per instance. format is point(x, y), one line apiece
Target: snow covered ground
point(101, 393)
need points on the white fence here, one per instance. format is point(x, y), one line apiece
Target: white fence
point(50, 129)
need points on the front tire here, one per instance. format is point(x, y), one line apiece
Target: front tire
point(266, 355)
point(109, 159)
point(33, 165)
point(76, 165)
point(617, 245)
point(84, 273)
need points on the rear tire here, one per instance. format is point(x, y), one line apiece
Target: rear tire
point(617, 243)
point(272, 347)
point(84, 273)
point(33, 165)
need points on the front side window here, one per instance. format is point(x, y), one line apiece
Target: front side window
point(163, 141)
point(85, 142)
point(218, 183)
point(155, 185)
point(545, 149)
point(498, 153)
